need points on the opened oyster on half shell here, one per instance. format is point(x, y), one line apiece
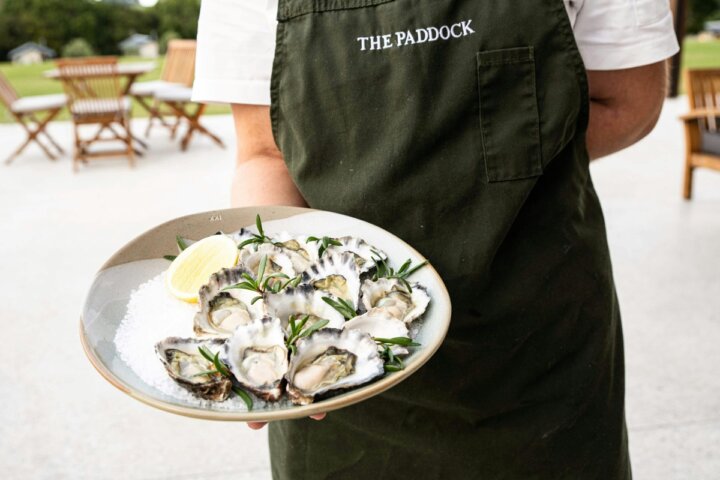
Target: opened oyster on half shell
point(183, 361)
point(331, 360)
point(258, 358)
point(300, 302)
point(222, 310)
point(394, 296)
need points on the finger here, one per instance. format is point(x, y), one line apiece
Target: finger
point(256, 425)
point(319, 416)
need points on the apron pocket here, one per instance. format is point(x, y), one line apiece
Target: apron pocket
point(294, 8)
point(509, 120)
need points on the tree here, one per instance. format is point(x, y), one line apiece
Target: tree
point(77, 47)
point(179, 16)
point(699, 12)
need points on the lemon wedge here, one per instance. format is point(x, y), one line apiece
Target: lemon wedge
point(193, 267)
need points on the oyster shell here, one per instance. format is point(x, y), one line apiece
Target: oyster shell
point(331, 360)
point(189, 368)
point(378, 323)
point(391, 295)
point(337, 275)
point(298, 246)
point(221, 312)
point(362, 251)
point(277, 260)
point(301, 301)
point(257, 357)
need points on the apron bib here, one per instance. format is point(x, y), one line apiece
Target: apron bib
point(459, 126)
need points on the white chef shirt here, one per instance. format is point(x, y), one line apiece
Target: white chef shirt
point(236, 42)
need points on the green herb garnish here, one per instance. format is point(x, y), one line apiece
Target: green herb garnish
point(393, 363)
point(261, 284)
point(383, 270)
point(257, 238)
point(325, 242)
point(170, 257)
point(343, 306)
point(245, 397)
point(215, 360)
point(297, 332)
point(181, 243)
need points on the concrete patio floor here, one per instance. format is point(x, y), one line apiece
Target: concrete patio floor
point(61, 420)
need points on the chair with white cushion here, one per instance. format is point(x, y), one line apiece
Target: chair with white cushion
point(33, 113)
point(96, 99)
point(178, 99)
point(178, 71)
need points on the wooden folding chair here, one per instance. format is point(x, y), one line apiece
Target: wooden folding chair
point(178, 71)
point(178, 99)
point(702, 135)
point(95, 98)
point(33, 113)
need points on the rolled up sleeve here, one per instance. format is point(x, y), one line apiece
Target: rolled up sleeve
point(618, 34)
point(235, 49)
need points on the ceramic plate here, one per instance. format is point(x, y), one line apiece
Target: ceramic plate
point(141, 260)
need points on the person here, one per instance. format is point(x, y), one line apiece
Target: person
point(466, 128)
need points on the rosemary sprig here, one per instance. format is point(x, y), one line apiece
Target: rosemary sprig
point(401, 341)
point(208, 372)
point(383, 270)
point(181, 244)
point(222, 370)
point(215, 360)
point(393, 363)
point(262, 282)
point(257, 238)
point(325, 242)
point(297, 332)
point(343, 306)
point(245, 397)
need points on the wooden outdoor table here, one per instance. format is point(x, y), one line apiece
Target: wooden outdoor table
point(130, 71)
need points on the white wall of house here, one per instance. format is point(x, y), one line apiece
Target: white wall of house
point(149, 50)
point(28, 57)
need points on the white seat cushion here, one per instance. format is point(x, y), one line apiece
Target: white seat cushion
point(100, 106)
point(174, 94)
point(38, 103)
point(147, 89)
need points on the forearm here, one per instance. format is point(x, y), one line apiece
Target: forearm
point(261, 177)
point(264, 180)
point(609, 129)
point(624, 107)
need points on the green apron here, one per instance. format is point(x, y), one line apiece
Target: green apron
point(459, 126)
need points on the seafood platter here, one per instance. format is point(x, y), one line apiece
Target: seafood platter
point(261, 314)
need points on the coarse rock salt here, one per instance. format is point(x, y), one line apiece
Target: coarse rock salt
point(153, 314)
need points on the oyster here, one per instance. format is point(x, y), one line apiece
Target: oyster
point(362, 251)
point(299, 302)
point(378, 323)
point(297, 246)
point(221, 312)
point(241, 235)
point(191, 370)
point(277, 260)
point(331, 360)
point(258, 358)
point(391, 295)
point(337, 275)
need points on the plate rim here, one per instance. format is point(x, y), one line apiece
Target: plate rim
point(297, 411)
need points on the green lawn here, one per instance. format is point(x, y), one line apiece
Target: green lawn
point(29, 80)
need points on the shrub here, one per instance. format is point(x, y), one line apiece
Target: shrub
point(165, 39)
point(77, 47)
